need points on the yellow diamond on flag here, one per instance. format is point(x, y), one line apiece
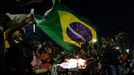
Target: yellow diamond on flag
point(74, 29)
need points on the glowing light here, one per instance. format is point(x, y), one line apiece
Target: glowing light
point(94, 40)
point(117, 47)
point(127, 50)
point(73, 63)
point(81, 64)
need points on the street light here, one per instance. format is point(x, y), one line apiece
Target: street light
point(117, 47)
point(127, 50)
point(94, 40)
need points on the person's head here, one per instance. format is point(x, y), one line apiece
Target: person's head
point(16, 35)
point(49, 50)
point(111, 43)
point(104, 42)
point(5, 21)
point(50, 43)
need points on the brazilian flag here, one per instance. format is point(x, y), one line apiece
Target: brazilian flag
point(66, 28)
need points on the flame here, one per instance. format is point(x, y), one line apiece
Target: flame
point(81, 63)
point(73, 63)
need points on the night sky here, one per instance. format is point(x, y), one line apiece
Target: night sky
point(110, 17)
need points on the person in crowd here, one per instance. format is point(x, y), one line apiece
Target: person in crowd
point(17, 63)
point(3, 20)
point(102, 59)
point(45, 56)
point(111, 59)
point(130, 63)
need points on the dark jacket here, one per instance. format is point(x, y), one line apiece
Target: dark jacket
point(110, 56)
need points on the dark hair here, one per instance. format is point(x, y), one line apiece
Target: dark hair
point(4, 21)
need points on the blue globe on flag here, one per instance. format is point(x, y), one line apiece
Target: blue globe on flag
point(78, 32)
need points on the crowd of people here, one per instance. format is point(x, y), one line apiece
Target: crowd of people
point(115, 61)
point(28, 54)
